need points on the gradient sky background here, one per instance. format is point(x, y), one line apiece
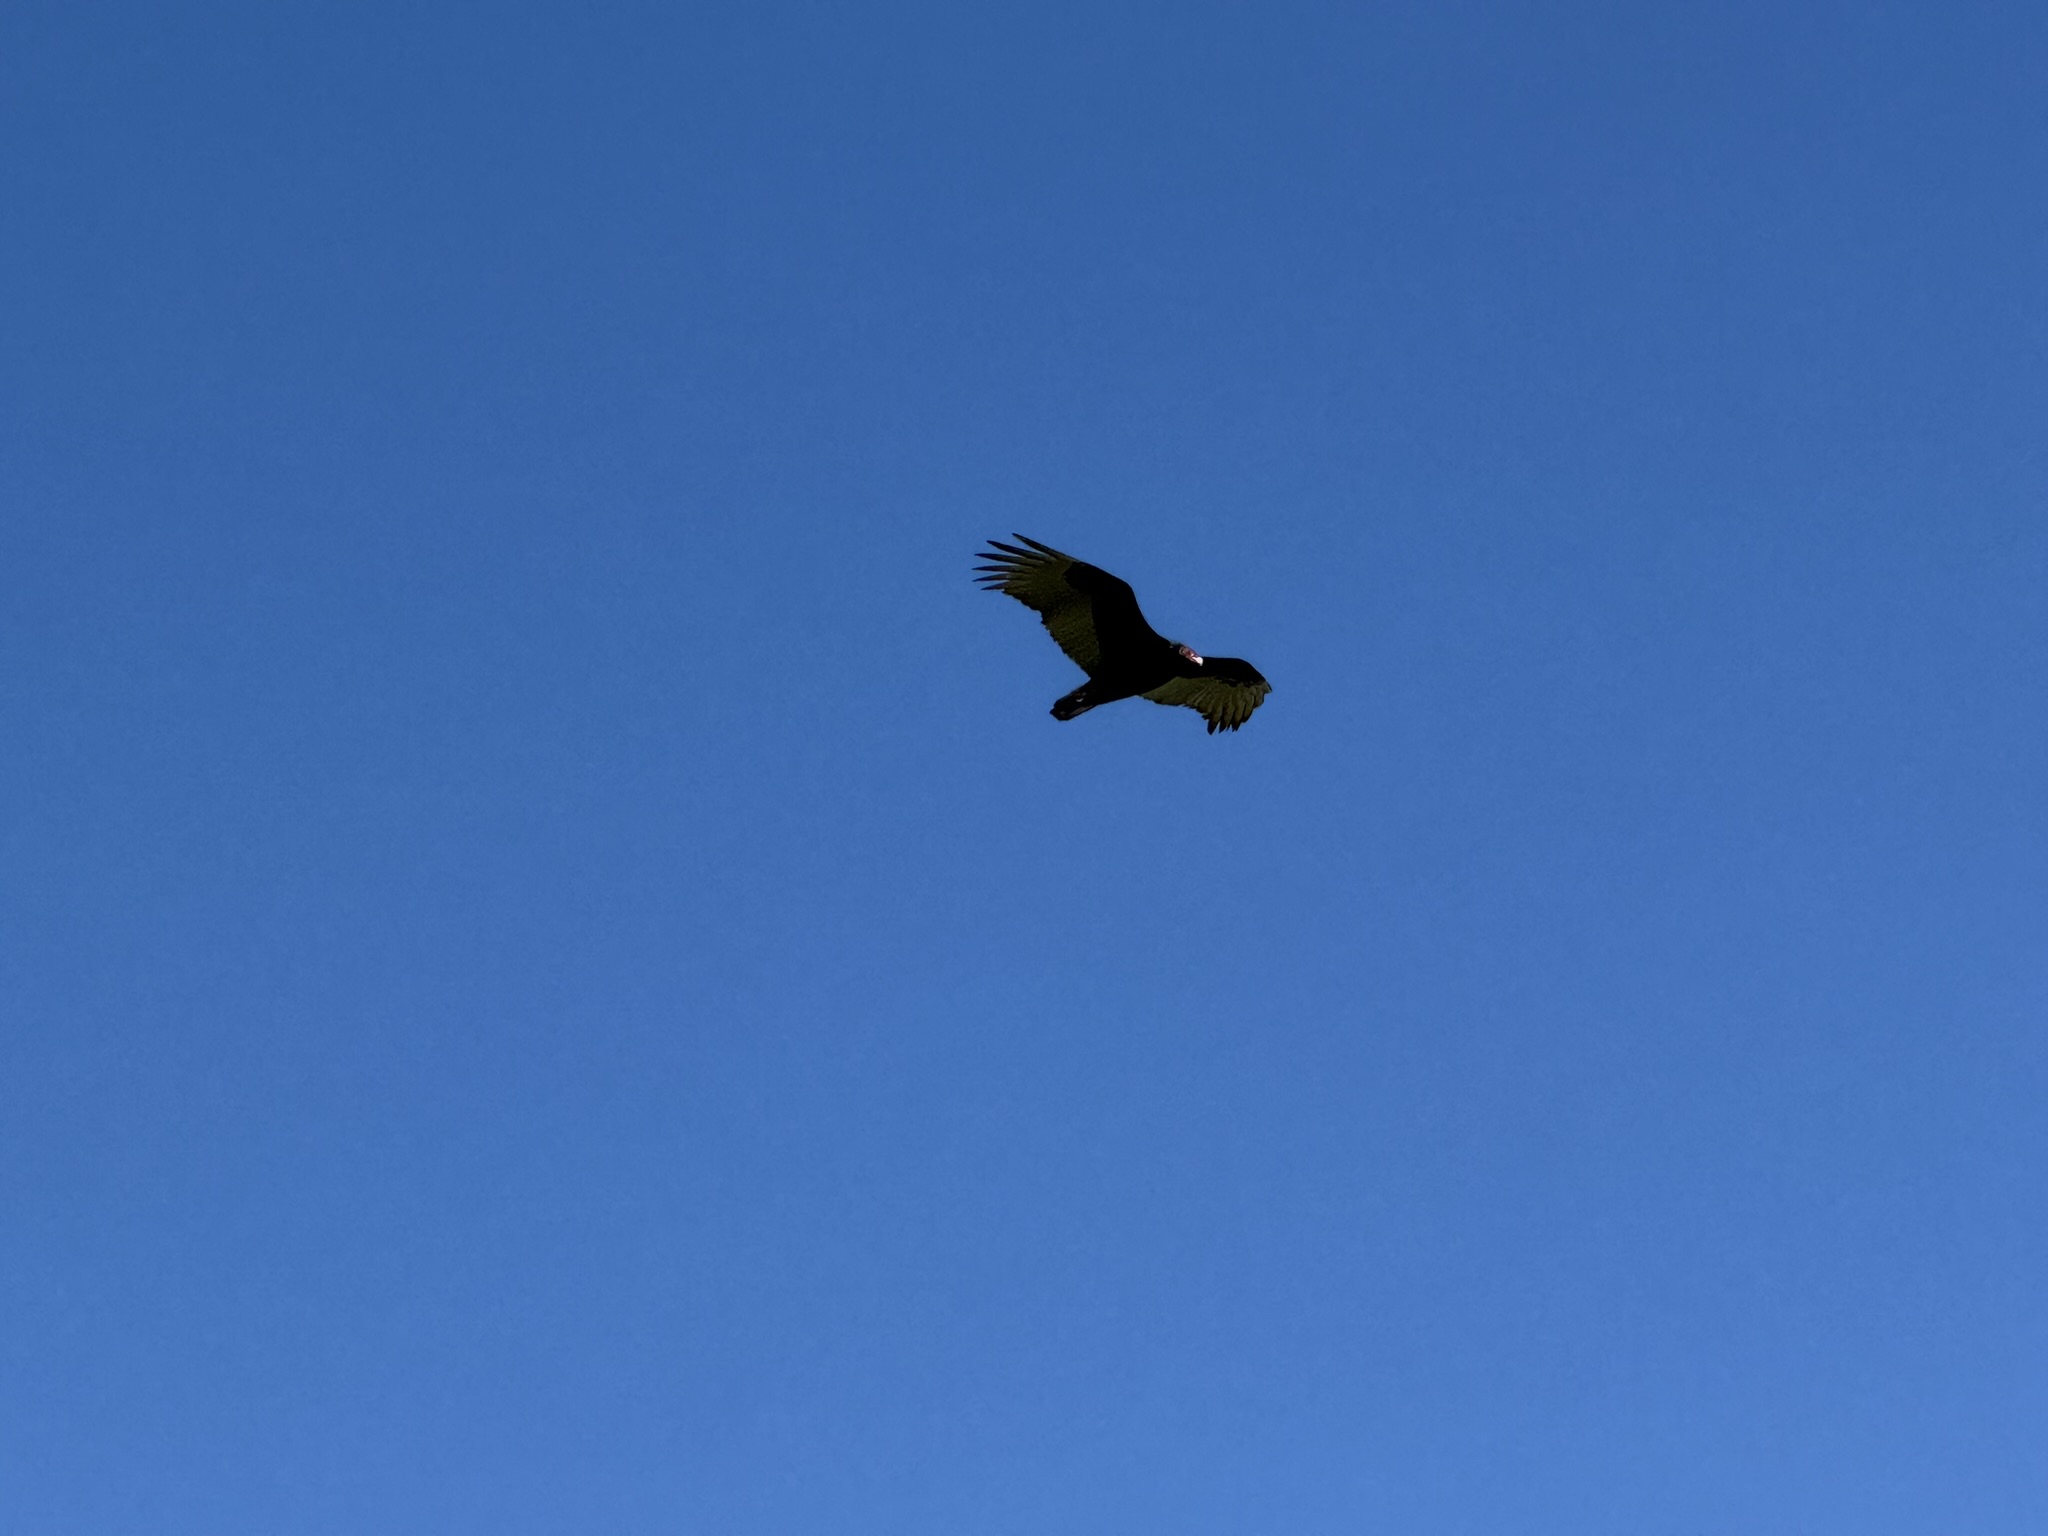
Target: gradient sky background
point(558, 977)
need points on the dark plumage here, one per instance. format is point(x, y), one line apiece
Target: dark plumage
point(1096, 621)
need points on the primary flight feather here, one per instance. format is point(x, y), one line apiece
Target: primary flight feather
point(1095, 619)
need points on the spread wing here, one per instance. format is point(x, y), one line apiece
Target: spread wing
point(1225, 694)
point(1087, 610)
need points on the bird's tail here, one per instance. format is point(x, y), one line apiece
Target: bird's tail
point(1079, 702)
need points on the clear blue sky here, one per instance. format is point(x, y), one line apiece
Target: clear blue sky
point(558, 977)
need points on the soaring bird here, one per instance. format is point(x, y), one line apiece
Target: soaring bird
point(1095, 619)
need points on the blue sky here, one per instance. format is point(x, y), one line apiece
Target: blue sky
point(557, 975)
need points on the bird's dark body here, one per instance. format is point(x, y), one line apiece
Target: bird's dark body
point(1138, 676)
point(1095, 618)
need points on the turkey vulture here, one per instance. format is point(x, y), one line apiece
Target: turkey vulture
point(1096, 621)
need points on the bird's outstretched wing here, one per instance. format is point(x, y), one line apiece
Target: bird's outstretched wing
point(1086, 610)
point(1225, 694)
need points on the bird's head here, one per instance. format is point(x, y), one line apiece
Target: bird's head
point(1187, 653)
